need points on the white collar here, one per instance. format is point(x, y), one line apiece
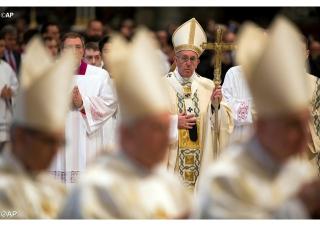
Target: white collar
point(183, 80)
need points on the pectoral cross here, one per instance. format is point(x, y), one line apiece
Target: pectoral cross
point(218, 47)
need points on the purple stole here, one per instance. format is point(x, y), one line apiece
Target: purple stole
point(82, 68)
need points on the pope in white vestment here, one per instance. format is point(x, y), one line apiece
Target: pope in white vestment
point(132, 183)
point(26, 188)
point(84, 126)
point(261, 178)
point(238, 97)
point(191, 94)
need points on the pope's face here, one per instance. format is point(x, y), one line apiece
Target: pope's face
point(77, 46)
point(187, 61)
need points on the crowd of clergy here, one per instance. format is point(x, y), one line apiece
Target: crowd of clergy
point(113, 128)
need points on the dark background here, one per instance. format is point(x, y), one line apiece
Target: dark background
point(307, 18)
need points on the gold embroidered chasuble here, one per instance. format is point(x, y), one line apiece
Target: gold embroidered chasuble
point(189, 157)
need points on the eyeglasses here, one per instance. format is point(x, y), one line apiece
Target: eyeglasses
point(185, 59)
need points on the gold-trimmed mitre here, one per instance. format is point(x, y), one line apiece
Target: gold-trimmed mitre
point(189, 36)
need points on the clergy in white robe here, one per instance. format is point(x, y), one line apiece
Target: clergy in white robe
point(237, 95)
point(133, 183)
point(262, 178)
point(93, 104)
point(8, 89)
point(109, 127)
point(191, 106)
point(26, 188)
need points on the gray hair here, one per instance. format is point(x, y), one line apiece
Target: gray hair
point(9, 29)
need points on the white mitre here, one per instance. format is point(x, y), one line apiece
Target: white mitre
point(136, 67)
point(274, 66)
point(189, 36)
point(44, 97)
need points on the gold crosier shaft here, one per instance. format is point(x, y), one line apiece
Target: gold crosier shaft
point(218, 47)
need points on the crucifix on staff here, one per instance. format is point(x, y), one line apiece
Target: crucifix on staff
point(218, 47)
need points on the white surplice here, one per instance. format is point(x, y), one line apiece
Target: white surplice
point(84, 131)
point(236, 93)
point(9, 78)
point(110, 127)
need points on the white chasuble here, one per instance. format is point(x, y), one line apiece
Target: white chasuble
point(188, 157)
